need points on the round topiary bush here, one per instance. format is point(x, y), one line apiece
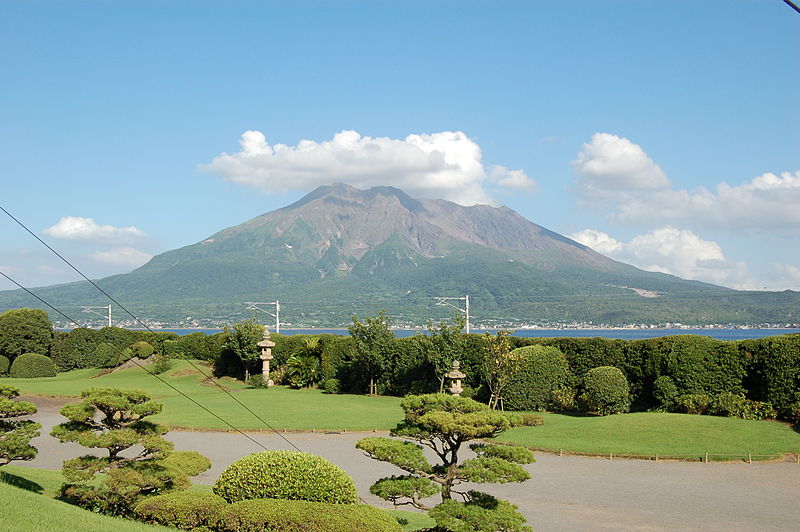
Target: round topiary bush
point(303, 516)
point(286, 475)
point(31, 365)
point(186, 510)
point(605, 391)
point(5, 364)
point(542, 370)
point(665, 391)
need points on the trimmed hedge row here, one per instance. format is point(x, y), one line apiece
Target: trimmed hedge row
point(193, 510)
point(32, 365)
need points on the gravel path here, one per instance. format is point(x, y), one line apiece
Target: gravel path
point(565, 493)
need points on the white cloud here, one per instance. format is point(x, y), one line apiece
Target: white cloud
point(784, 276)
point(122, 256)
point(77, 228)
point(767, 203)
point(673, 251)
point(610, 163)
point(444, 165)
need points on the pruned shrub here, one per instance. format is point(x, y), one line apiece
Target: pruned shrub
point(190, 463)
point(185, 510)
point(482, 513)
point(541, 370)
point(564, 399)
point(665, 392)
point(106, 355)
point(286, 475)
point(332, 386)
point(529, 420)
point(32, 365)
point(605, 391)
point(303, 516)
point(693, 403)
point(142, 349)
point(5, 365)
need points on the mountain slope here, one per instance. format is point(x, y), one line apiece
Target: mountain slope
point(341, 251)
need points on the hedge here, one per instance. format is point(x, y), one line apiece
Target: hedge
point(302, 516)
point(542, 370)
point(286, 475)
point(32, 365)
point(186, 510)
point(5, 364)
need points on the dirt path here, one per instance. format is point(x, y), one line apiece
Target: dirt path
point(565, 493)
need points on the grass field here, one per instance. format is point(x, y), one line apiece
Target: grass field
point(649, 433)
point(279, 406)
point(24, 488)
point(638, 434)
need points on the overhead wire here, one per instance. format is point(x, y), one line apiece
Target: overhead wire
point(144, 325)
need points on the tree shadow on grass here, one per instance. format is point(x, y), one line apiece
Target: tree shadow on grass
point(20, 482)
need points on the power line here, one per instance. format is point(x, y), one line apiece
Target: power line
point(792, 5)
point(208, 377)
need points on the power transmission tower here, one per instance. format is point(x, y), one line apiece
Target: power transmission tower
point(443, 302)
point(254, 305)
point(91, 310)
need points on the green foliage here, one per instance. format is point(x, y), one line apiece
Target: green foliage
point(191, 463)
point(373, 342)
point(142, 349)
point(5, 364)
point(444, 423)
point(396, 488)
point(563, 399)
point(482, 513)
point(442, 345)
point(106, 355)
point(184, 510)
point(257, 381)
point(285, 475)
point(733, 405)
point(698, 364)
point(75, 350)
point(162, 365)
point(303, 516)
point(332, 386)
point(242, 341)
point(541, 370)
point(665, 392)
point(605, 391)
point(499, 365)
point(303, 371)
point(774, 371)
point(113, 420)
point(528, 420)
point(693, 403)
point(15, 435)
point(25, 330)
point(32, 365)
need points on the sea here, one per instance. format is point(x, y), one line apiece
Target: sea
point(624, 334)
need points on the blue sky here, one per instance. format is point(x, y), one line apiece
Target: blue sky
point(662, 133)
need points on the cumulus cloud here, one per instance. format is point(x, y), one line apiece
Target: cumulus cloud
point(444, 165)
point(85, 229)
point(784, 276)
point(617, 175)
point(673, 251)
point(609, 163)
point(125, 256)
point(769, 202)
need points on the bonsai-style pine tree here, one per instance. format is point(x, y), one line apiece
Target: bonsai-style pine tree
point(444, 424)
point(113, 420)
point(16, 435)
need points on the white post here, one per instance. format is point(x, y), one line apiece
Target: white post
point(277, 316)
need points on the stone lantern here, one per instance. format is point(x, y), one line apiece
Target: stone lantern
point(455, 377)
point(266, 346)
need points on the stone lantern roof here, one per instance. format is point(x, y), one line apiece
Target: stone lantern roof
point(455, 373)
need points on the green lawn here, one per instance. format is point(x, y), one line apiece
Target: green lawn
point(648, 434)
point(279, 406)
